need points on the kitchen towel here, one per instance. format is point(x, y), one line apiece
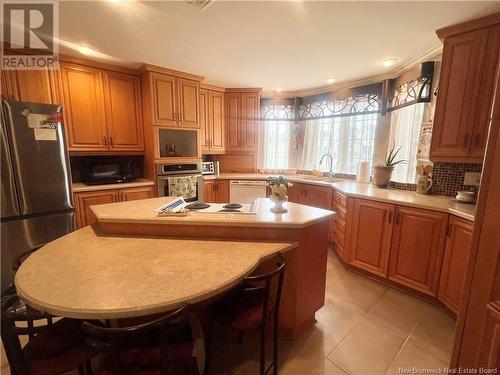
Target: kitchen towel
point(183, 186)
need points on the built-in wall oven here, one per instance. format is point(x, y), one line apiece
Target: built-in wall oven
point(180, 180)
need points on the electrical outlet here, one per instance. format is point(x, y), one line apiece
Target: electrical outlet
point(472, 178)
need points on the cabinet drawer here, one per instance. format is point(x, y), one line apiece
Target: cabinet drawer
point(338, 237)
point(340, 201)
point(339, 224)
point(341, 213)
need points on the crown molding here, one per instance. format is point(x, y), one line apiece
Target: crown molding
point(430, 54)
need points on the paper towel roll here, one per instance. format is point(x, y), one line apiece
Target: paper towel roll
point(363, 172)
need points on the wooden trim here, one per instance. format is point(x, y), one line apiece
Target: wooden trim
point(464, 27)
point(158, 69)
point(207, 86)
point(244, 90)
point(97, 64)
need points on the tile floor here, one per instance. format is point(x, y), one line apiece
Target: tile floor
point(364, 328)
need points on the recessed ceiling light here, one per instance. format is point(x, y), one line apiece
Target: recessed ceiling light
point(390, 61)
point(279, 90)
point(330, 80)
point(115, 1)
point(87, 51)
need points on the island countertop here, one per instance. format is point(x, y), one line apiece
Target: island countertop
point(89, 275)
point(143, 212)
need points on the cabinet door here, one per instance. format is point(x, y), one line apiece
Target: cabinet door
point(209, 192)
point(37, 86)
point(486, 94)
point(216, 121)
point(222, 191)
point(370, 242)
point(463, 60)
point(204, 126)
point(456, 255)
point(123, 112)
point(233, 118)
point(86, 199)
point(250, 104)
point(318, 196)
point(164, 99)
point(417, 248)
point(83, 107)
point(295, 193)
point(135, 193)
point(188, 101)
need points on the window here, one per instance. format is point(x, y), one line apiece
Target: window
point(405, 133)
point(276, 145)
point(348, 139)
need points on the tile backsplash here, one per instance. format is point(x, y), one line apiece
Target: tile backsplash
point(449, 177)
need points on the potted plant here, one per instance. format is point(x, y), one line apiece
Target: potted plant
point(382, 173)
point(279, 187)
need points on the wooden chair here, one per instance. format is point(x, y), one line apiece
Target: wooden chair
point(248, 307)
point(53, 348)
point(162, 346)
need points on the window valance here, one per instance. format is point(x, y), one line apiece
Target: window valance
point(278, 109)
point(414, 86)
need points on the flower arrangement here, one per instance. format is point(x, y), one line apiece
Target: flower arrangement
point(279, 187)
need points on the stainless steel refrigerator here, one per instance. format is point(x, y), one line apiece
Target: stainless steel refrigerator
point(36, 200)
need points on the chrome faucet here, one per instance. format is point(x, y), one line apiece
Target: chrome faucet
point(330, 174)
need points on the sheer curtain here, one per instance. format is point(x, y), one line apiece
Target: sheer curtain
point(348, 139)
point(405, 133)
point(275, 151)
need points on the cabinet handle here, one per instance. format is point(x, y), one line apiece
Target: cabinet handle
point(390, 217)
point(111, 141)
point(398, 217)
point(448, 230)
point(477, 140)
point(466, 141)
point(105, 141)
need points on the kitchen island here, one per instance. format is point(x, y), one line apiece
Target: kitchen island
point(304, 287)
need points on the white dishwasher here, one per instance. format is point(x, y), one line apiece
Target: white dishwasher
point(246, 191)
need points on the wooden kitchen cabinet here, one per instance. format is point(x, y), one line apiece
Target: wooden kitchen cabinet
point(417, 248)
point(456, 254)
point(102, 109)
point(242, 116)
point(216, 191)
point(83, 107)
point(295, 192)
point(123, 111)
point(175, 101)
point(468, 70)
point(318, 196)
point(340, 223)
point(370, 241)
point(135, 193)
point(212, 121)
point(37, 86)
point(83, 201)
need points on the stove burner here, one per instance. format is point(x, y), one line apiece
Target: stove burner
point(197, 206)
point(229, 210)
point(233, 206)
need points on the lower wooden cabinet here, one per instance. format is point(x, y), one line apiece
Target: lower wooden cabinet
point(216, 191)
point(135, 193)
point(83, 201)
point(311, 195)
point(370, 241)
point(339, 225)
point(456, 255)
point(417, 248)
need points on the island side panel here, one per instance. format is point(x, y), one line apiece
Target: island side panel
point(305, 281)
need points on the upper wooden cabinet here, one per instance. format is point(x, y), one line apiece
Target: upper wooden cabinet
point(37, 86)
point(417, 248)
point(84, 108)
point(370, 242)
point(212, 121)
point(465, 95)
point(102, 109)
point(456, 255)
point(242, 117)
point(123, 111)
point(175, 101)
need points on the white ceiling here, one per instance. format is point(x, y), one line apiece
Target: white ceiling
point(292, 45)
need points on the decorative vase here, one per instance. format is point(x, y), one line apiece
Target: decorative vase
point(382, 175)
point(278, 204)
point(424, 184)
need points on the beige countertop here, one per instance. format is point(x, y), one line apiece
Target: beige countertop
point(88, 275)
point(79, 186)
point(370, 191)
point(143, 212)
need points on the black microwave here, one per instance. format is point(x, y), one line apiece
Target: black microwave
point(108, 170)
